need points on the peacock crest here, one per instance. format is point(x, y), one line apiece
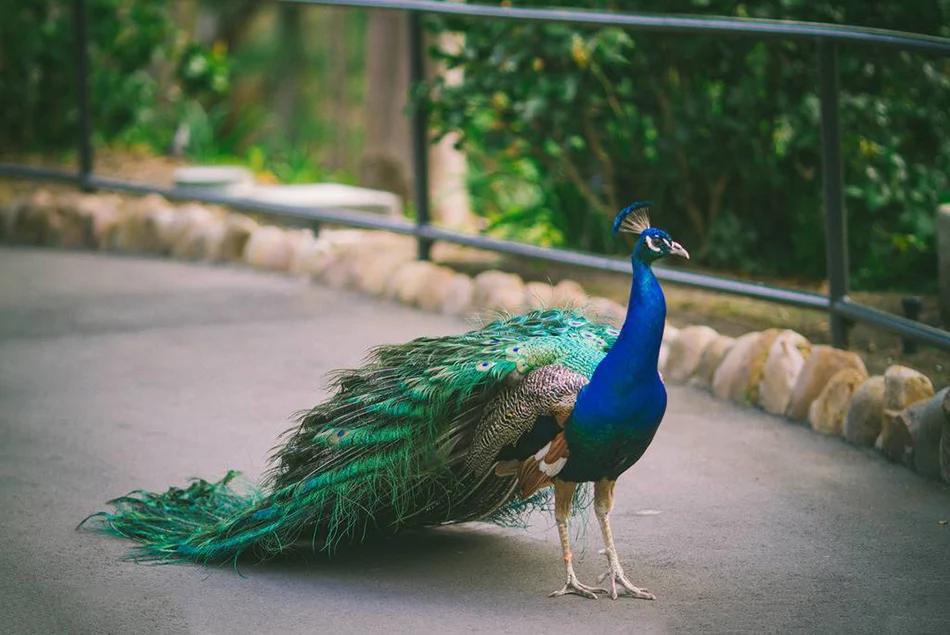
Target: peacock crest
point(633, 219)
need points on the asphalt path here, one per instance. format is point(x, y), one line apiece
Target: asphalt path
point(123, 373)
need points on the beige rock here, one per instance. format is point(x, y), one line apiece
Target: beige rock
point(74, 228)
point(896, 440)
point(33, 220)
point(828, 411)
point(498, 291)
point(189, 220)
point(569, 294)
point(662, 358)
point(670, 333)
point(729, 378)
point(407, 281)
point(712, 356)
point(862, 423)
point(458, 295)
point(269, 247)
point(924, 422)
point(8, 219)
point(606, 310)
point(686, 351)
point(309, 257)
point(435, 288)
point(141, 224)
point(312, 262)
point(361, 259)
point(740, 371)
point(193, 232)
point(303, 243)
point(373, 271)
point(565, 294)
point(784, 362)
point(819, 368)
point(301, 240)
point(237, 231)
point(103, 212)
point(340, 270)
point(201, 241)
point(902, 387)
point(538, 295)
point(84, 220)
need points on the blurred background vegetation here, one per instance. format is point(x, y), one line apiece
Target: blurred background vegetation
point(560, 126)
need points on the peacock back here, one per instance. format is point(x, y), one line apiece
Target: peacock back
point(395, 436)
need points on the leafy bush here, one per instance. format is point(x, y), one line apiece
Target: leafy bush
point(37, 69)
point(722, 133)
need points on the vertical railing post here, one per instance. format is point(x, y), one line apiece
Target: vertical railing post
point(420, 145)
point(82, 94)
point(836, 231)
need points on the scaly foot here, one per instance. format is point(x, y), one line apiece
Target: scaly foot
point(616, 575)
point(573, 587)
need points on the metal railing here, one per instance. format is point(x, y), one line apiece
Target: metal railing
point(842, 310)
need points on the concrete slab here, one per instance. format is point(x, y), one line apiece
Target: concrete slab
point(122, 373)
point(226, 179)
point(329, 195)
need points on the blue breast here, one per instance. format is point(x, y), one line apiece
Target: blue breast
point(619, 411)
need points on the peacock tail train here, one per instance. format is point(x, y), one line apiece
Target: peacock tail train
point(388, 451)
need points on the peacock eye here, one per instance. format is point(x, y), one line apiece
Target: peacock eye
point(651, 244)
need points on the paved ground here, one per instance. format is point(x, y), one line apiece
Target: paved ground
point(120, 373)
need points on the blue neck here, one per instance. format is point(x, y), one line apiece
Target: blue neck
point(630, 368)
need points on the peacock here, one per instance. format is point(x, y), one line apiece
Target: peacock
point(474, 427)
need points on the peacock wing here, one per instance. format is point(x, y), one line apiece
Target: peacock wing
point(398, 430)
point(523, 418)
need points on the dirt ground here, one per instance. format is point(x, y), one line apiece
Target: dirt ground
point(727, 314)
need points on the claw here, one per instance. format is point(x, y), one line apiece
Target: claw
point(573, 587)
point(616, 574)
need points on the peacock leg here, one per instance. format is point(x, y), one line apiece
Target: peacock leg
point(603, 504)
point(563, 497)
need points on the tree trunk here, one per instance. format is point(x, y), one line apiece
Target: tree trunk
point(292, 63)
point(387, 153)
point(448, 168)
point(387, 157)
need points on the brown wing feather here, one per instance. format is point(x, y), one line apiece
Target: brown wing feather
point(535, 473)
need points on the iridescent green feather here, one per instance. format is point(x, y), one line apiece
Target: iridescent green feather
point(385, 452)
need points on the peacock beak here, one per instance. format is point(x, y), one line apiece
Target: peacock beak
point(676, 249)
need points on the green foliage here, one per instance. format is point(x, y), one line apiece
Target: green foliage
point(722, 133)
point(204, 72)
point(37, 67)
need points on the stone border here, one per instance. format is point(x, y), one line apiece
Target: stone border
point(778, 371)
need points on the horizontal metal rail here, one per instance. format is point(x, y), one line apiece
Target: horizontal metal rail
point(369, 220)
point(784, 29)
point(58, 175)
point(902, 326)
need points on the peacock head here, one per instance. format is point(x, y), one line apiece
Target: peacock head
point(653, 243)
